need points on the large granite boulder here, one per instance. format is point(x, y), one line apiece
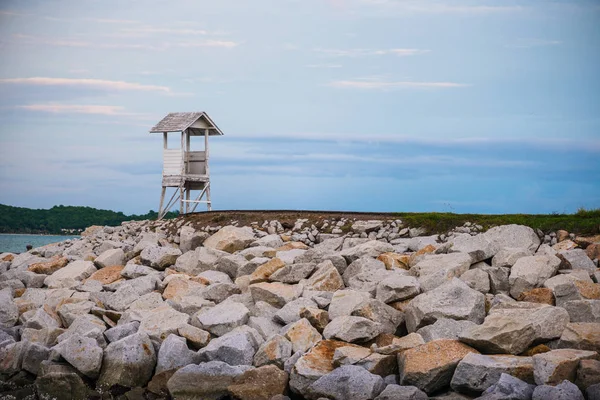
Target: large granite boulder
point(230, 239)
point(453, 299)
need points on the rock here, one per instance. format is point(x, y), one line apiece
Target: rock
point(508, 388)
point(316, 363)
point(230, 264)
point(121, 331)
point(478, 247)
point(235, 348)
point(434, 270)
point(366, 226)
point(576, 259)
point(263, 272)
point(110, 257)
point(430, 366)
point(531, 272)
point(219, 292)
point(508, 256)
point(174, 354)
point(190, 239)
point(207, 380)
point(351, 329)
point(197, 261)
point(128, 362)
point(477, 372)
point(397, 392)
point(394, 261)
point(107, 275)
point(398, 345)
point(302, 335)
point(34, 355)
point(83, 353)
point(582, 336)
point(553, 367)
point(263, 383)
point(291, 311)
point(498, 278)
point(48, 267)
point(388, 318)
point(9, 312)
point(538, 295)
point(477, 279)
point(453, 299)
point(398, 288)
point(372, 249)
point(317, 317)
point(274, 241)
point(275, 293)
point(60, 382)
point(515, 236)
point(564, 391)
point(512, 328)
point(445, 328)
point(588, 374)
point(362, 265)
point(289, 256)
point(196, 337)
point(345, 301)
point(161, 322)
point(583, 310)
point(133, 270)
point(350, 355)
point(222, 318)
point(275, 350)
point(293, 273)
point(230, 239)
point(71, 275)
point(159, 257)
point(325, 278)
point(347, 382)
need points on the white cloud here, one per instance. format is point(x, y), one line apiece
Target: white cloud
point(162, 31)
point(324, 66)
point(160, 46)
point(526, 43)
point(87, 83)
point(435, 7)
point(367, 84)
point(370, 52)
point(78, 109)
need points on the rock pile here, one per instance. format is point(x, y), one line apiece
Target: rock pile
point(349, 310)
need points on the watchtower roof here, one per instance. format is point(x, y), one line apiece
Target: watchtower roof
point(194, 122)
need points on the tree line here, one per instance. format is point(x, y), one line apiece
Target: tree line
point(62, 219)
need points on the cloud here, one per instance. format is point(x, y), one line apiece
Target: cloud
point(526, 43)
point(367, 84)
point(324, 66)
point(78, 109)
point(168, 31)
point(436, 7)
point(87, 83)
point(370, 52)
point(161, 46)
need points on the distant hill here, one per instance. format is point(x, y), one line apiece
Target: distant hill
point(63, 219)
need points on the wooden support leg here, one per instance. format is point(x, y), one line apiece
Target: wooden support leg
point(181, 190)
point(162, 201)
point(187, 198)
point(208, 205)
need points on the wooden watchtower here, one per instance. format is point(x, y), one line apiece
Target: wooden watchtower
point(183, 169)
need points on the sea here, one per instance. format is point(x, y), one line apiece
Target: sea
point(17, 243)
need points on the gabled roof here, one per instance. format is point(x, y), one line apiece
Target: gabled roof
point(180, 121)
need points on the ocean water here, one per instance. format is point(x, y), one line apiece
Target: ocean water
point(14, 243)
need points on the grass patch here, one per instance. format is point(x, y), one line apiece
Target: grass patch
point(583, 222)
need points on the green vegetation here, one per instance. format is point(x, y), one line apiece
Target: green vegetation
point(63, 219)
point(582, 222)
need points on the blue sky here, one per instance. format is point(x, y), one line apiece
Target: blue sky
point(367, 105)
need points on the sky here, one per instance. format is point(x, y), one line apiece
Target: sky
point(467, 106)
